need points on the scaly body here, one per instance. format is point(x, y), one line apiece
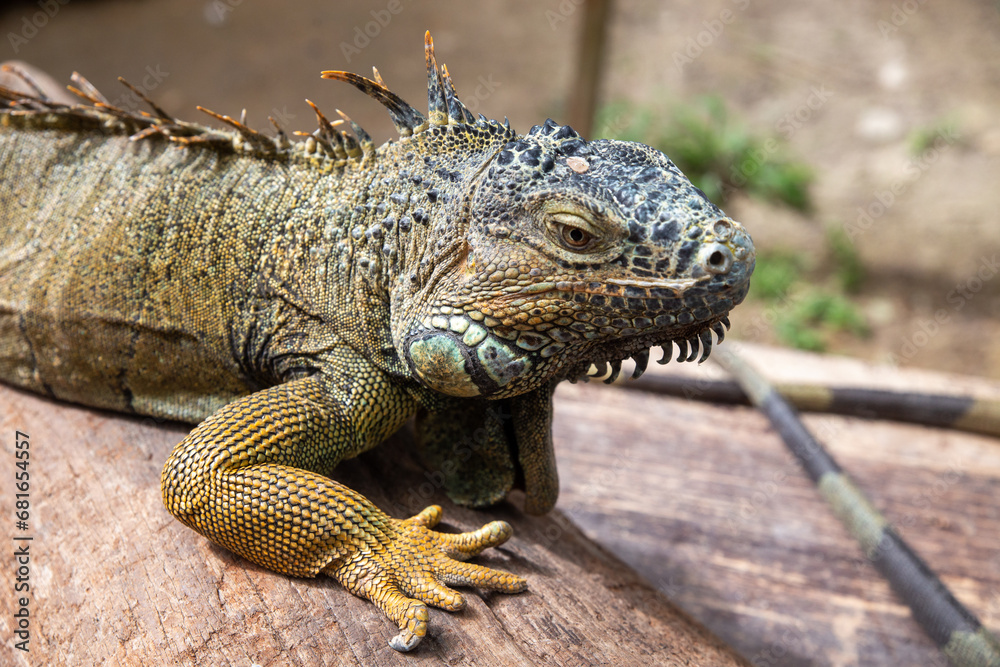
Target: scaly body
point(300, 301)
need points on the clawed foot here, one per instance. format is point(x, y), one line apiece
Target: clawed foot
point(406, 566)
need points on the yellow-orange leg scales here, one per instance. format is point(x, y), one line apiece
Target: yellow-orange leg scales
point(252, 478)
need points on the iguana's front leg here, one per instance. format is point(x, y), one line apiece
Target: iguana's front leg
point(252, 478)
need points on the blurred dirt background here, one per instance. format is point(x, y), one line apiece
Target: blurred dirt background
point(847, 85)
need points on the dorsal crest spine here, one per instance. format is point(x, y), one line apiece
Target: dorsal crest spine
point(444, 109)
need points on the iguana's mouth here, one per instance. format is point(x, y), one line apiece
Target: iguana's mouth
point(667, 313)
point(678, 285)
point(688, 349)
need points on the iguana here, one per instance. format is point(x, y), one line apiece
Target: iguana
point(301, 300)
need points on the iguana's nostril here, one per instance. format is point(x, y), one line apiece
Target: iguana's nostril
point(718, 259)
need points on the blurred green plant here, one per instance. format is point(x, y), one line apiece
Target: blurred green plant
point(847, 265)
point(775, 274)
point(809, 310)
point(922, 138)
point(718, 154)
point(815, 317)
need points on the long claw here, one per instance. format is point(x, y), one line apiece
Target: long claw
point(405, 641)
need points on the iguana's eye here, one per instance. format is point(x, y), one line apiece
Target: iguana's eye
point(575, 238)
point(571, 232)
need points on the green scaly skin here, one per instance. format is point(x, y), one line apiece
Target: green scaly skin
point(301, 300)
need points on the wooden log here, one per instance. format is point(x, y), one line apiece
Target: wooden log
point(116, 580)
point(705, 503)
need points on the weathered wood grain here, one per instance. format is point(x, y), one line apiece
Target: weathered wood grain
point(704, 502)
point(115, 580)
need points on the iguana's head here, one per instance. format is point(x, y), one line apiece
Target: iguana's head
point(548, 253)
point(578, 253)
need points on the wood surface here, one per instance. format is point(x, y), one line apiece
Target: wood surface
point(117, 581)
point(705, 503)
